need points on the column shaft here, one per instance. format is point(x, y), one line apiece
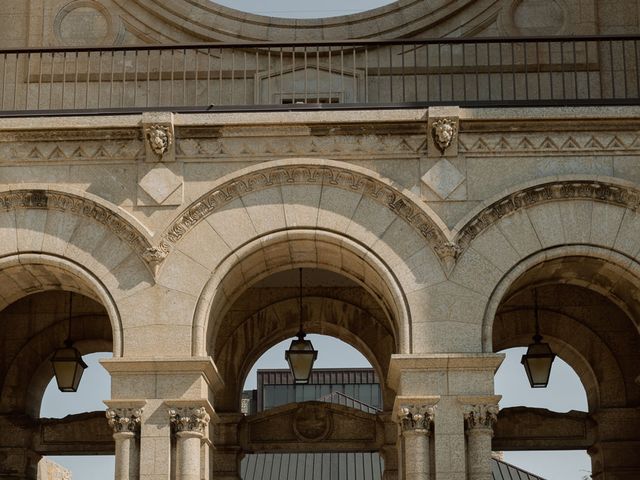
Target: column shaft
point(479, 453)
point(416, 454)
point(188, 455)
point(124, 455)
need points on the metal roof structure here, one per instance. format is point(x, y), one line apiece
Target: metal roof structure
point(335, 465)
point(341, 466)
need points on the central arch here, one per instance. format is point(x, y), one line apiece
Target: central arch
point(299, 248)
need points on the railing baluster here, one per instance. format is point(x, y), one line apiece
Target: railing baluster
point(613, 72)
point(575, 71)
point(39, 81)
point(4, 76)
point(26, 93)
point(86, 89)
point(124, 78)
point(635, 50)
point(148, 95)
point(64, 78)
point(135, 80)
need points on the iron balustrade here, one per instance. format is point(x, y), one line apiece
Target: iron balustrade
point(524, 71)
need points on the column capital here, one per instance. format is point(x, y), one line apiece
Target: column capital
point(124, 416)
point(415, 414)
point(193, 418)
point(480, 416)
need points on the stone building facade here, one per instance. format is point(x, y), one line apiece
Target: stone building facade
point(424, 228)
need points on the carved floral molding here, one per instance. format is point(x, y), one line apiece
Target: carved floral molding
point(416, 418)
point(554, 191)
point(306, 175)
point(480, 416)
point(83, 207)
point(124, 419)
point(189, 419)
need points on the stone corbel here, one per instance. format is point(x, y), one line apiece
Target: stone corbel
point(443, 129)
point(159, 137)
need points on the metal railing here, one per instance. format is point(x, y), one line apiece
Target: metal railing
point(586, 70)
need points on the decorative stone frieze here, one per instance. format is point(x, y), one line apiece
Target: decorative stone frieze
point(334, 176)
point(548, 144)
point(189, 419)
point(416, 418)
point(124, 419)
point(480, 416)
point(622, 196)
point(76, 205)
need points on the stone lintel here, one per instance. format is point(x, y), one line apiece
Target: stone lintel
point(479, 399)
point(166, 366)
point(441, 362)
point(125, 403)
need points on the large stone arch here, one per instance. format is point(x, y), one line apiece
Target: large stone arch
point(299, 248)
point(367, 213)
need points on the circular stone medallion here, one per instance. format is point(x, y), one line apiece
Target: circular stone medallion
point(312, 423)
point(84, 22)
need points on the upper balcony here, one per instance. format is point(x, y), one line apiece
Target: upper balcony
point(524, 71)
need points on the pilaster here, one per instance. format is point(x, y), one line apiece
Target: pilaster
point(454, 379)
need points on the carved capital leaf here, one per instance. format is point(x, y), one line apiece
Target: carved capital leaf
point(416, 418)
point(124, 419)
point(189, 419)
point(482, 416)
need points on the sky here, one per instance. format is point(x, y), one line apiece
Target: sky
point(564, 393)
point(303, 8)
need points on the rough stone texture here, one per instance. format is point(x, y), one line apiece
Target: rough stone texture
point(181, 257)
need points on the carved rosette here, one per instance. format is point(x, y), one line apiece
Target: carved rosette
point(189, 419)
point(416, 418)
point(480, 417)
point(124, 419)
point(444, 131)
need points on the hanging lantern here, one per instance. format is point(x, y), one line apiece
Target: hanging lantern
point(539, 357)
point(67, 362)
point(68, 367)
point(301, 354)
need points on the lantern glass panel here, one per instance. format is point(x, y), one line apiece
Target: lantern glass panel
point(68, 368)
point(300, 357)
point(537, 363)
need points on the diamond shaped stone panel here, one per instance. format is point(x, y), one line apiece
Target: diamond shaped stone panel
point(443, 178)
point(160, 183)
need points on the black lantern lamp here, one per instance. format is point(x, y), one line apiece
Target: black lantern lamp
point(301, 354)
point(539, 357)
point(67, 362)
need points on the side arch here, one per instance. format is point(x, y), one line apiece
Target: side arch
point(67, 275)
point(628, 269)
